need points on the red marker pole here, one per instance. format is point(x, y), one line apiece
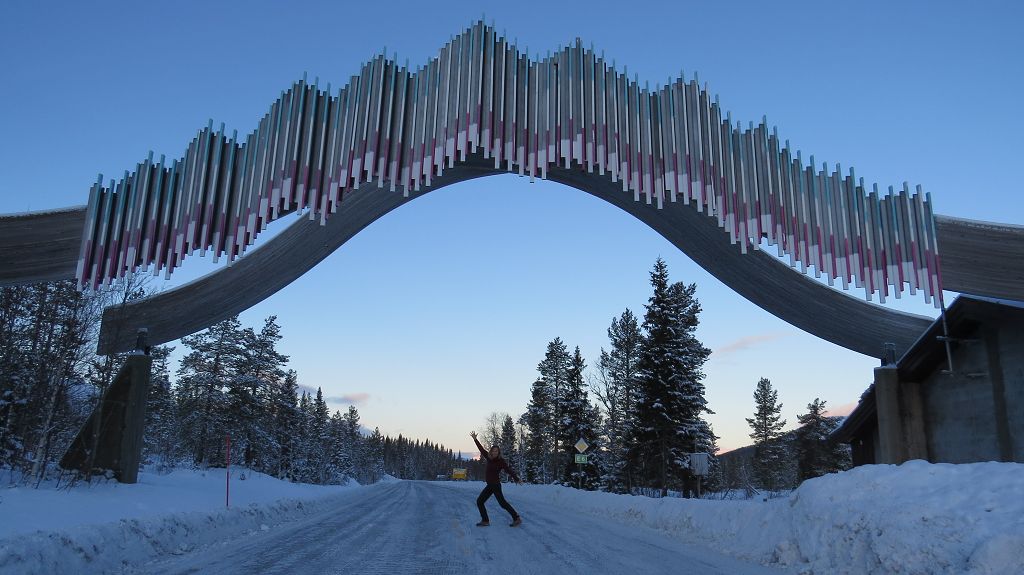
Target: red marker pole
point(227, 471)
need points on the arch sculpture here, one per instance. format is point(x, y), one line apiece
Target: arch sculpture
point(717, 190)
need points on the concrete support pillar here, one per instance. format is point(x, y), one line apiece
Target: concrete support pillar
point(1000, 414)
point(887, 405)
point(912, 413)
point(111, 438)
point(138, 368)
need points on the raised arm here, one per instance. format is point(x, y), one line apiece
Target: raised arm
point(483, 452)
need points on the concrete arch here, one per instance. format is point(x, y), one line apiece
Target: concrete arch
point(807, 304)
point(482, 107)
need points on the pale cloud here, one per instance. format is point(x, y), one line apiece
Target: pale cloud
point(842, 410)
point(746, 342)
point(357, 398)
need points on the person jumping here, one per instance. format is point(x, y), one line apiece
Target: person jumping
point(495, 463)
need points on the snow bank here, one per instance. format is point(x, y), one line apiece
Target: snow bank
point(110, 527)
point(912, 518)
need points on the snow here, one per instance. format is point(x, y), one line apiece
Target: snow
point(429, 527)
point(98, 528)
point(912, 518)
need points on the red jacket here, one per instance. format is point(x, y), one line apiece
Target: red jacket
point(494, 466)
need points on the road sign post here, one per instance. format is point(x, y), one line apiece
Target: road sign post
point(699, 466)
point(581, 458)
point(227, 471)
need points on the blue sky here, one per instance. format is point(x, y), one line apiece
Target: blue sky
point(437, 314)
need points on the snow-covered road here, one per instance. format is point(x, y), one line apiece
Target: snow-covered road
point(428, 527)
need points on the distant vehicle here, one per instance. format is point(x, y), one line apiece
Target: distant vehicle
point(442, 477)
point(459, 473)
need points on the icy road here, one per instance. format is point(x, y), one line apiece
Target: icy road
point(428, 527)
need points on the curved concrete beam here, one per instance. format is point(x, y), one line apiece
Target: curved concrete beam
point(233, 289)
point(823, 311)
point(40, 246)
point(981, 258)
point(772, 285)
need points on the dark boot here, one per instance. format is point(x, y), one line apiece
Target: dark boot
point(483, 523)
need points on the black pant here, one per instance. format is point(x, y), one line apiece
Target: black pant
point(493, 489)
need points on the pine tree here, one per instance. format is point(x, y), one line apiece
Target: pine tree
point(259, 369)
point(375, 456)
point(341, 464)
point(287, 425)
point(618, 392)
point(579, 421)
point(44, 332)
point(304, 447)
point(507, 441)
point(161, 431)
point(554, 372)
point(203, 376)
point(766, 426)
point(672, 403)
point(354, 445)
point(319, 439)
point(816, 455)
point(538, 424)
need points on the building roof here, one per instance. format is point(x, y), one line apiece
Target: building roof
point(860, 415)
point(965, 314)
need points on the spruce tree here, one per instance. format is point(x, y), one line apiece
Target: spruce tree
point(319, 439)
point(617, 392)
point(507, 441)
point(816, 455)
point(578, 422)
point(375, 456)
point(672, 403)
point(538, 424)
point(203, 376)
point(160, 440)
point(339, 453)
point(353, 444)
point(287, 425)
point(554, 371)
point(766, 426)
point(304, 446)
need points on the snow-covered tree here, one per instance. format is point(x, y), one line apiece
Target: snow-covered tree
point(375, 456)
point(815, 454)
point(579, 421)
point(538, 424)
point(161, 431)
point(507, 441)
point(355, 446)
point(672, 403)
point(319, 439)
point(203, 376)
point(287, 426)
point(617, 389)
point(766, 426)
point(554, 372)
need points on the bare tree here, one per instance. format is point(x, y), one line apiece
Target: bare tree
point(490, 432)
